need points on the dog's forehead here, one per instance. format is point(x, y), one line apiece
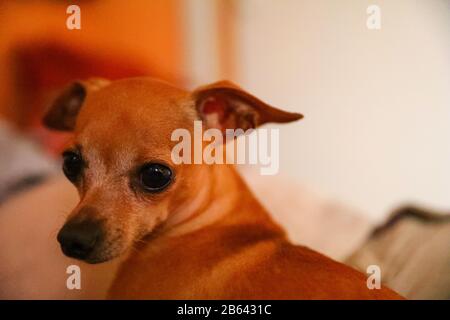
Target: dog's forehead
point(138, 114)
point(137, 99)
point(136, 105)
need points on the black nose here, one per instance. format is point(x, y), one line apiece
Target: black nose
point(79, 238)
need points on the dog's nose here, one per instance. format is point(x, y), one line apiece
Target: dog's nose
point(79, 238)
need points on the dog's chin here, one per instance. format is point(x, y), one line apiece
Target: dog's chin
point(100, 259)
point(104, 255)
point(98, 256)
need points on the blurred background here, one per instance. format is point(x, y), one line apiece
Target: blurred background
point(376, 102)
point(375, 134)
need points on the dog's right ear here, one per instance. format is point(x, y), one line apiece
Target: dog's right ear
point(62, 113)
point(224, 105)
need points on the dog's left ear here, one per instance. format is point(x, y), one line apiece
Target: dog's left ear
point(223, 105)
point(63, 112)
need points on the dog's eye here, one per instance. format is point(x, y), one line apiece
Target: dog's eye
point(154, 177)
point(72, 165)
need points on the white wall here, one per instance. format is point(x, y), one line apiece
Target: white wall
point(201, 44)
point(376, 131)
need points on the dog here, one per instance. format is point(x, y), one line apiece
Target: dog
point(189, 231)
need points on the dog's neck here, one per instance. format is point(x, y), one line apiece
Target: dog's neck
point(211, 202)
point(215, 202)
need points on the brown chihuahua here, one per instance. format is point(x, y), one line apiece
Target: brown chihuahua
point(190, 231)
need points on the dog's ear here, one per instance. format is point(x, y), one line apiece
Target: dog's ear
point(62, 113)
point(223, 105)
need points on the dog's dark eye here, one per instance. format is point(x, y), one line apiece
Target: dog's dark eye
point(154, 177)
point(72, 165)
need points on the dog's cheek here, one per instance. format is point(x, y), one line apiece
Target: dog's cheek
point(151, 217)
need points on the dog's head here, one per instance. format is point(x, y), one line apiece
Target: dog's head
point(119, 156)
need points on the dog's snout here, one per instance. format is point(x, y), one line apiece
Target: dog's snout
point(78, 239)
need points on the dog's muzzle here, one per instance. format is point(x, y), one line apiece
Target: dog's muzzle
point(79, 239)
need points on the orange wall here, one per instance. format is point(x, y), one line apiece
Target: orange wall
point(146, 32)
